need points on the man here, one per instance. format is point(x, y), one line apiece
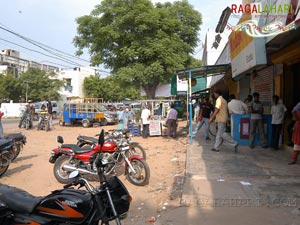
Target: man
point(145, 116)
point(278, 110)
point(27, 111)
point(296, 134)
point(221, 116)
point(171, 121)
point(1, 127)
point(256, 110)
point(130, 116)
point(206, 109)
point(49, 108)
point(236, 106)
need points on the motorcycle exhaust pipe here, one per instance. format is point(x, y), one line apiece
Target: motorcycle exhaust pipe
point(73, 168)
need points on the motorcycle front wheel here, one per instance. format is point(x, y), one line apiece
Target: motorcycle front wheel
point(141, 175)
point(60, 174)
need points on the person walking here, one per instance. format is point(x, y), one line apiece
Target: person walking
point(145, 116)
point(221, 116)
point(277, 111)
point(171, 121)
point(1, 127)
point(296, 134)
point(206, 109)
point(256, 110)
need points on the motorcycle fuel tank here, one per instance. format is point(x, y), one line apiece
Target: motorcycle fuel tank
point(109, 146)
point(67, 205)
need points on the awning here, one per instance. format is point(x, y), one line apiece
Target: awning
point(203, 71)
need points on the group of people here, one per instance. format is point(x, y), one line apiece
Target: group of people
point(126, 116)
point(46, 109)
point(254, 107)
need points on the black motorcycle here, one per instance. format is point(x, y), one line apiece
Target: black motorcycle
point(26, 122)
point(19, 141)
point(44, 123)
point(107, 202)
point(6, 154)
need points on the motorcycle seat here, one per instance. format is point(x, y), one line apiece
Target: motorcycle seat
point(15, 136)
point(17, 199)
point(77, 149)
point(86, 138)
point(5, 143)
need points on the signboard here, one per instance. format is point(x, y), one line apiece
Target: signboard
point(155, 128)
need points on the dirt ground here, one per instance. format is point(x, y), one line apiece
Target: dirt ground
point(32, 171)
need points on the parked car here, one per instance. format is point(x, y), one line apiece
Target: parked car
point(110, 117)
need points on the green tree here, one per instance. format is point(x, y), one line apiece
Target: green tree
point(41, 85)
point(9, 88)
point(142, 43)
point(109, 88)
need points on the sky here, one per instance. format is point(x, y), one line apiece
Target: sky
point(52, 23)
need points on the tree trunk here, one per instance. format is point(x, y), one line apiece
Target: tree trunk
point(150, 91)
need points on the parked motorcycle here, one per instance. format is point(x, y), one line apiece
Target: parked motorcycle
point(135, 147)
point(70, 157)
point(19, 140)
point(6, 154)
point(107, 202)
point(44, 123)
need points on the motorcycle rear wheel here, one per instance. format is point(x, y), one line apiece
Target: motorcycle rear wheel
point(137, 149)
point(142, 175)
point(61, 175)
point(3, 169)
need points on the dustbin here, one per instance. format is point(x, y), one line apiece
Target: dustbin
point(241, 129)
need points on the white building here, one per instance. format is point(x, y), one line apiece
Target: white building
point(73, 82)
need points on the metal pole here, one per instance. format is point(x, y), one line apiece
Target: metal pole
point(191, 108)
point(26, 98)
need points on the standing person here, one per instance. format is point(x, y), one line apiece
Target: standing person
point(49, 109)
point(236, 106)
point(277, 110)
point(296, 134)
point(130, 116)
point(145, 116)
point(1, 127)
point(196, 110)
point(221, 116)
point(256, 109)
point(206, 109)
point(171, 121)
point(120, 119)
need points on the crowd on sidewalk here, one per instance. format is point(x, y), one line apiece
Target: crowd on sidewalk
point(205, 114)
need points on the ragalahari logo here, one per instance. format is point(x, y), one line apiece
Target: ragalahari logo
point(275, 17)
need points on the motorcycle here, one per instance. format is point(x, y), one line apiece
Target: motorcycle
point(135, 147)
point(19, 140)
point(26, 122)
point(6, 154)
point(107, 202)
point(44, 123)
point(69, 157)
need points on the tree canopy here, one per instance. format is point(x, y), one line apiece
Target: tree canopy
point(140, 42)
point(38, 84)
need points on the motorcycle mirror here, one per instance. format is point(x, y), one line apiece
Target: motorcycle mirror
point(101, 138)
point(60, 139)
point(73, 174)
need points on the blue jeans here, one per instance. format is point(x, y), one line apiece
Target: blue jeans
point(199, 125)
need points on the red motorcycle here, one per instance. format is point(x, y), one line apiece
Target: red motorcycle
point(107, 202)
point(70, 157)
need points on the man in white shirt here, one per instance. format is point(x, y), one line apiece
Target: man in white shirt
point(145, 116)
point(236, 106)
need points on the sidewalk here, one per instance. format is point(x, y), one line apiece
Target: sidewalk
point(254, 186)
